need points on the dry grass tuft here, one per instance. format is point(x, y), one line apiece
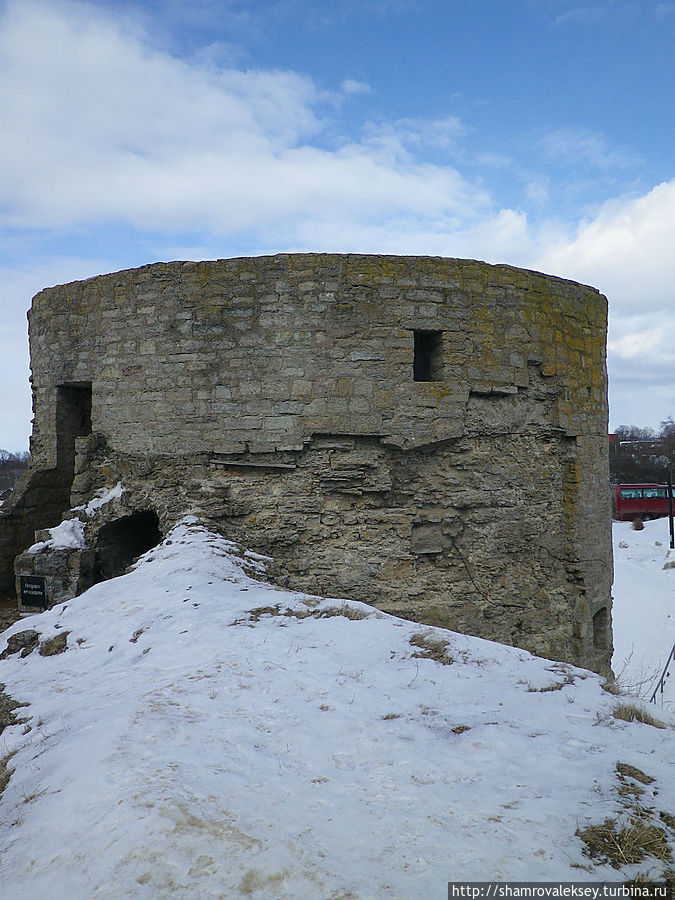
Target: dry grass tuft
point(460, 729)
point(627, 789)
point(55, 645)
point(254, 615)
point(611, 686)
point(432, 648)
point(647, 887)
point(354, 613)
point(629, 771)
point(348, 612)
point(629, 712)
point(636, 836)
point(554, 686)
point(391, 716)
point(7, 707)
point(622, 845)
point(5, 771)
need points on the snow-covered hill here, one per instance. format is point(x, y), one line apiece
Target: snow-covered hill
point(205, 735)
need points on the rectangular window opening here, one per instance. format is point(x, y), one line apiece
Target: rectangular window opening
point(428, 358)
point(73, 419)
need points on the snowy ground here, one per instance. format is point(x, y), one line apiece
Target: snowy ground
point(644, 606)
point(197, 740)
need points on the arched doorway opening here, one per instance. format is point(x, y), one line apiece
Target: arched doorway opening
point(123, 541)
point(601, 630)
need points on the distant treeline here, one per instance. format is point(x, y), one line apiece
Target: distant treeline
point(12, 466)
point(20, 460)
point(640, 455)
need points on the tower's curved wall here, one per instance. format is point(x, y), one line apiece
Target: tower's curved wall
point(426, 434)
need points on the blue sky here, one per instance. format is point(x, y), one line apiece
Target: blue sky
point(532, 132)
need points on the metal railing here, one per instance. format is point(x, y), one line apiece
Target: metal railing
point(661, 683)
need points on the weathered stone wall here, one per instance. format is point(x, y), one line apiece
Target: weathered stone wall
point(275, 397)
point(38, 501)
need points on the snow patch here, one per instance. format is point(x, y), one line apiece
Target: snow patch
point(69, 535)
point(103, 496)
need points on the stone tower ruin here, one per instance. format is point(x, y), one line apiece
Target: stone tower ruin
point(426, 435)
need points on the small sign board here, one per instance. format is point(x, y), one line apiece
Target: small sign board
point(33, 589)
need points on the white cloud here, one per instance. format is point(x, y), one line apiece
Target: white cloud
point(580, 14)
point(537, 191)
point(592, 11)
point(649, 341)
point(583, 147)
point(97, 125)
point(626, 251)
point(402, 136)
point(641, 356)
point(14, 373)
point(17, 287)
point(350, 86)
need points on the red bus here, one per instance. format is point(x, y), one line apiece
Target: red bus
point(649, 501)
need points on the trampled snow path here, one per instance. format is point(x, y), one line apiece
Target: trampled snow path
point(185, 747)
